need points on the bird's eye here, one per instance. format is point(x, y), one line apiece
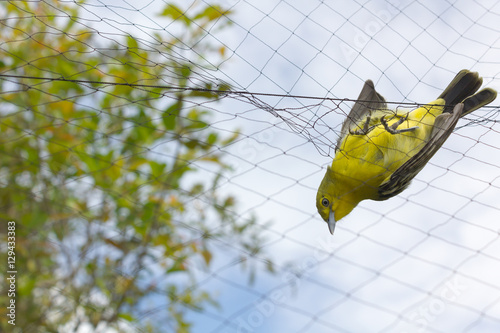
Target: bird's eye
point(325, 202)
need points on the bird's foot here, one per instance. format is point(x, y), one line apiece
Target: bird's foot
point(393, 129)
point(364, 130)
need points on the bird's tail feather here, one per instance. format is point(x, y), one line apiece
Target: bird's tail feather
point(478, 100)
point(462, 89)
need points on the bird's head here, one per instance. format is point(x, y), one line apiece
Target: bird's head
point(334, 199)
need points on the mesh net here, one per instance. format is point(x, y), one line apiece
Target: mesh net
point(271, 83)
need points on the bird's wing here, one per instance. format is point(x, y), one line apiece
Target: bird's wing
point(369, 100)
point(401, 178)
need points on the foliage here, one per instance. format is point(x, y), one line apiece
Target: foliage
point(105, 181)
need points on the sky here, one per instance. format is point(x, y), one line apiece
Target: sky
point(424, 261)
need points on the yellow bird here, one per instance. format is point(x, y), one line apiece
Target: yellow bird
point(379, 151)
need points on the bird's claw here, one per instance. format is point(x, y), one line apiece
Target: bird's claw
point(393, 129)
point(364, 130)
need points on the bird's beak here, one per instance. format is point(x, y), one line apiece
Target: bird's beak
point(331, 222)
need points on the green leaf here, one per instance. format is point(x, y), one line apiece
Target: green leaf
point(185, 71)
point(178, 266)
point(126, 316)
point(212, 138)
point(197, 124)
point(132, 42)
point(207, 256)
point(175, 13)
point(157, 169)
point(224, 87)
point(212, 12)
point(169, 117)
